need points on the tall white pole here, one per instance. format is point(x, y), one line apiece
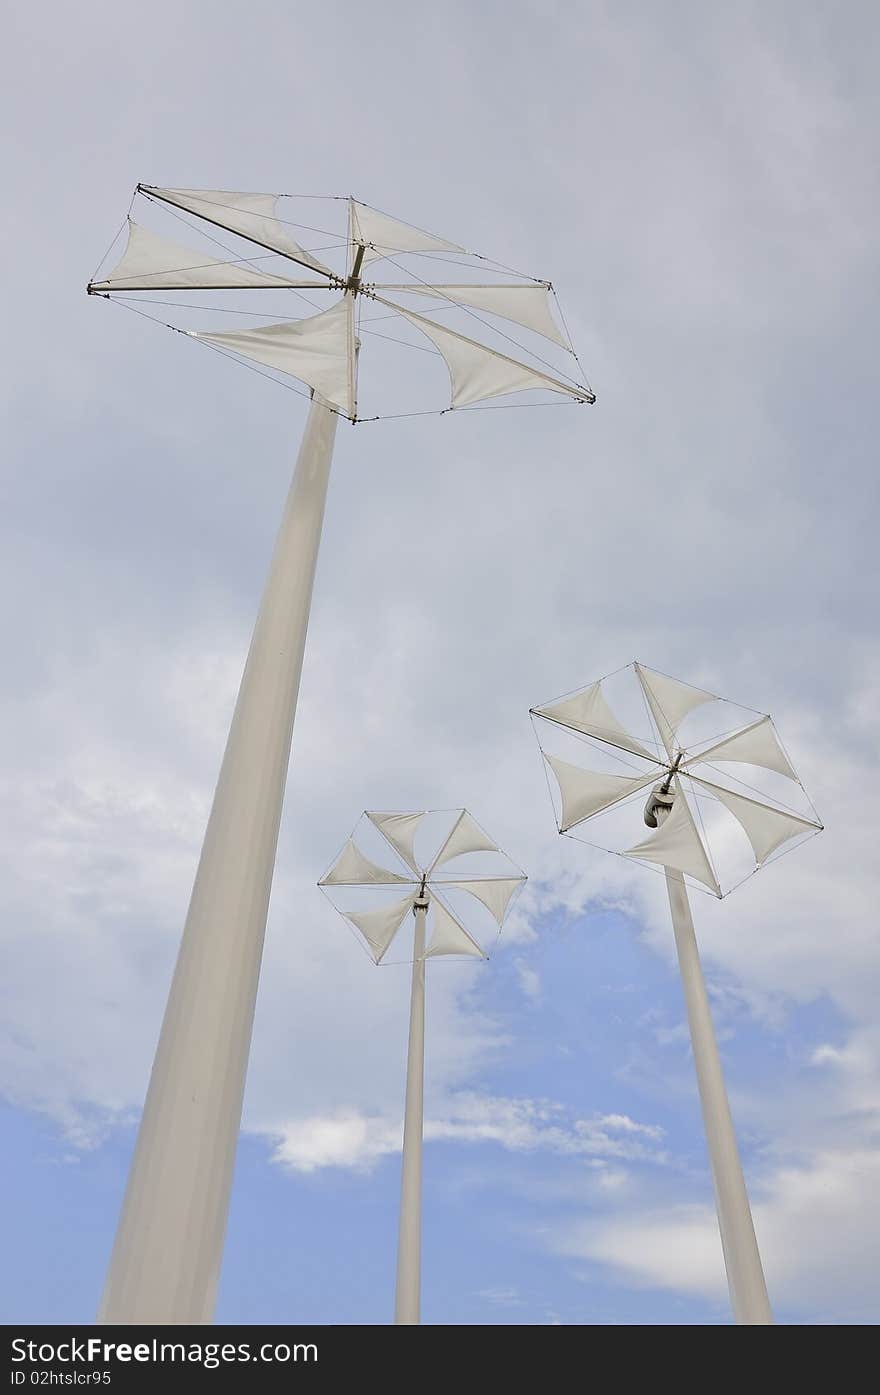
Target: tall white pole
point(745, 1276)
point(409, 1242)
point(166, 1258)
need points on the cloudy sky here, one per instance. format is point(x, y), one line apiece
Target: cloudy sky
point(700, 183)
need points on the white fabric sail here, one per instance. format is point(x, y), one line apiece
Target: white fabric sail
point(318, 350)
point(351, 868)
point(588, 792)
point(379, 927)
point(465, 836)
point(448, 935)
point(494, 892)
point(250, 215)
point(383, 236)
point(670, 701)
point(766, 828)
point(677, 844)
point(477, 372)
point(400, 830)
point(154, 263)
point(754, 745)
point(589, 712)
point(523, 303)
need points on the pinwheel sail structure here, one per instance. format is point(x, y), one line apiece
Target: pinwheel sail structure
point(493, 329)
point(737, 800)
point(721, 799)
point(456, 884)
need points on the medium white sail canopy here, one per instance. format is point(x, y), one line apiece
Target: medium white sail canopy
point(466, 836)
point(379, 927)
point(449, 935)
point(670, 701)
point(677, 844)
point(153, 263)
point(351, 868)
point(400, 830)
point(587, 792)
point(755, 745)
point(250, 215)
point(477, 372)
point(494, 892)
point(589, 712)
point(523, 303)
point(766, 828)
point(318, 350)
point(383, 236)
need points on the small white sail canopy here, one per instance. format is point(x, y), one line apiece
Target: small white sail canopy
point(451, 931)
point(678, 845)
point(449, 936)
point(400, 831)
point(494, 892)
point(755, 745)
point(589, 712)
point(382, 236)
point(318, 350)
point(588, 792)
point(767, 828)
point(250, 215)
point(379, 927)
point(526, 304)
point(351, 868)
point(670, 701)
point(153, 263)
point(477, 372)
point(465, 836)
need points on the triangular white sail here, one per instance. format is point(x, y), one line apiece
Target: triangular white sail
point(250, 215)
point(589, 712)
point(154, 263)
point(494, 892)
point(523, 303)
point(351, 868)
point(588, 792)
point(677, 844)
point(465, 836)
point(755, 745)
point(766, 828)
point(318, 350)
point(449, 935)
point(477, 372)
point(388, 236)
point(400, 830)
point(379, 927)
point(670, 701)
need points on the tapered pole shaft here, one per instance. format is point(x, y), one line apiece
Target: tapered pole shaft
point(166, 1258)
point(409, 1242)
point(745, 1276)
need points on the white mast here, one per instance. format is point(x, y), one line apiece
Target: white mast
point(449, 937)
point(681, 849)
point(166, 1257)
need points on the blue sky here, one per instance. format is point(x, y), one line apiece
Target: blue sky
point(701, 187)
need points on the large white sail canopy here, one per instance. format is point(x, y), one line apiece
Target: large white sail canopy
point(523, 303)
point(670, 701)
point(587, 792)
point(766, 827)
point(589, 712)
point(153, 263)
point(319, 351)
point(383, 236)
point(495, 893)
point(478, 372)
point(678, 845)
point(250, 215)
point(757, 744)
point(400, 831)
point(379, 927)
point(466, 836)
point(351, 868)
point(449, 935)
